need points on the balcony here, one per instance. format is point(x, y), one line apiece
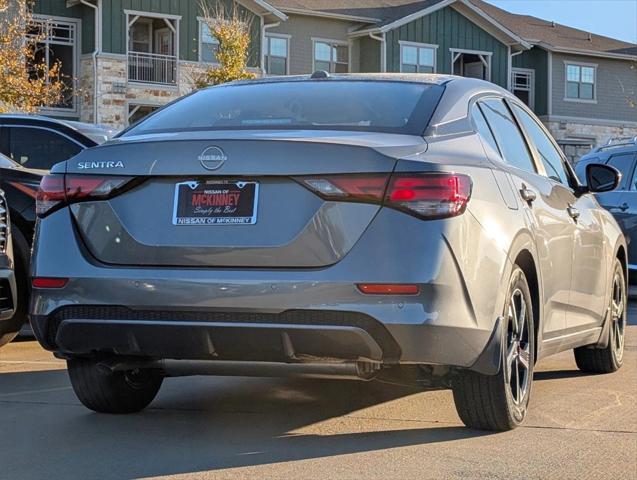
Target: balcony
point(152, 47)
point(152, 68)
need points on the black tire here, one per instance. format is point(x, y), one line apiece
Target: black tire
point(22, 260)
point(609, 359)
point(490, 402)
point(117, 392)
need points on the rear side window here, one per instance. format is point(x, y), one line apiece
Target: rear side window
point(551, 158)
point(624, 163)
point(482, 127)
point(506, 132)
point(38, 148)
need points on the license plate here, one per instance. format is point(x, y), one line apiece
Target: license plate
point(215, 203)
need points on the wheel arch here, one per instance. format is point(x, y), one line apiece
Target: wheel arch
point(523, 254)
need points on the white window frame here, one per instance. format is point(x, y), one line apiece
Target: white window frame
point(580, 64)
point(75, 43)
point(531, 73)
point(202, 22)
point(456, 52)
point(332, 42)
point(266, 51)
point(418, 45)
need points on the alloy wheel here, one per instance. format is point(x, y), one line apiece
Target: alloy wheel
point(618, 317)
point(518, 353)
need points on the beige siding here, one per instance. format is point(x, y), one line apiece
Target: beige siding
point(302, 29)
point(616, 89)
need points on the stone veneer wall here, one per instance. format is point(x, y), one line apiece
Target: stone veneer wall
point(115, 92)
point(573, 133)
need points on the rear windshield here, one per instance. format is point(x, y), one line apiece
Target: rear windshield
point(375, 106)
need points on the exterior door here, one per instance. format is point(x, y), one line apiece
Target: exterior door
point(589, 270)
point(164, 41)
point(545, 203)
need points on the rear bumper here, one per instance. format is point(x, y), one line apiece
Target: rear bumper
point(290, 336)
point(179, 312)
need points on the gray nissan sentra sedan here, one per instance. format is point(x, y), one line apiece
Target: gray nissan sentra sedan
point(419, 226)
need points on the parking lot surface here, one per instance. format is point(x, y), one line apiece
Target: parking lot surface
point(580, 426)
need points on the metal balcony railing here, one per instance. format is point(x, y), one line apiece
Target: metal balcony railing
point(152, 68)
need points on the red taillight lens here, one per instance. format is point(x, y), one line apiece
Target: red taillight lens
point(427, 195)
point(49, 282)
point(57, 190)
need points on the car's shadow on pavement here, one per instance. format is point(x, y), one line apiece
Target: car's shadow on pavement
point(201, 424)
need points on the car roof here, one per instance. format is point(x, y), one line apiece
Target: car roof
point(427, 78)
point(608, 150)
point(97, 133)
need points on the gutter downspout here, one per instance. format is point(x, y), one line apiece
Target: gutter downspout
point(511, 55)
point(98, 48)
point(264, 27)
point(383, 46)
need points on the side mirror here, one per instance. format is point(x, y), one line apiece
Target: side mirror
point(602, 178)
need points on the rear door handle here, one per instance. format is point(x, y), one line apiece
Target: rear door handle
point(527, 194)
point(623, 207)
point(573, 212)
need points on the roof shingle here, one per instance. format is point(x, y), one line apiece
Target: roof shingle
point(532, 29)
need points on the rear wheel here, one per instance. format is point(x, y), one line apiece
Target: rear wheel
point(609, 359)
point(112, 392)
point(500, 402)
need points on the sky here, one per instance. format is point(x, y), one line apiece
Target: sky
point(612, 18)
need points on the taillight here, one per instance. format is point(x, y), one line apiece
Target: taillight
point(349, 187)
point(429, 195)
point(426, 195)
point(58, 190)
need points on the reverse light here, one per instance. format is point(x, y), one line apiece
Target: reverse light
point(429, 195)
point(426, 195)
point(389, 288)
point(49, 282)
point(57, 190)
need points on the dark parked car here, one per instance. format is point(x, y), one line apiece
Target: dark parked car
point(9, 325)
point(621, 153)
point(29, 146)
point(324, 225)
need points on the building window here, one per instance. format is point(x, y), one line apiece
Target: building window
point(140, 36)
point(333, 57)
point(417, 57)
point(56, 44)
point(208, 44)
point(523, 85)
point(580, 82)
point(276, 54)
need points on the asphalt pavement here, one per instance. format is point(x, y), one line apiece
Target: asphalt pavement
point(579, 427)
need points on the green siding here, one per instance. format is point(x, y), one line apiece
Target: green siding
point(536, 59)
point(369, 55)
point(58, 8)
point(448, 29)
point(114, 39)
